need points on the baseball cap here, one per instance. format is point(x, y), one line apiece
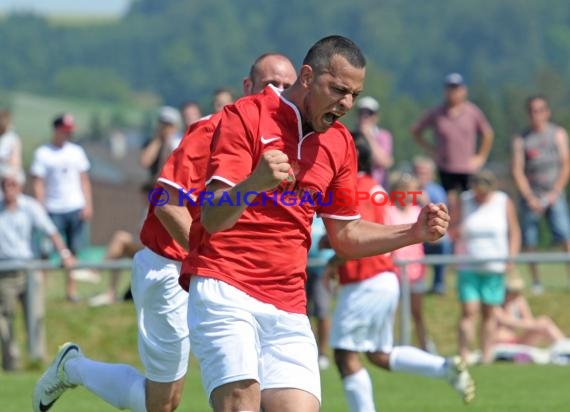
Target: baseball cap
point(368, 103)
point(454, 79)
point(65, 122)
point(170, 115)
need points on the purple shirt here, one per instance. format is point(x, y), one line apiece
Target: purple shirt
point(455, 137)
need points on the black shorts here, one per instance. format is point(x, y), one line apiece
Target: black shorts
point(454, 181)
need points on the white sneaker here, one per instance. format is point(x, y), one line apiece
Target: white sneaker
point(537, 289)
point(102, 299)
point(324, 362)
point(54, 382)
point(86, 275)
point(458, 376)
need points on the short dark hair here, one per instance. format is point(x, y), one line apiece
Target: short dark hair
point(222, 90)
point(319, 56)
point(189, 103)
point(255, 66)
point(534, 97)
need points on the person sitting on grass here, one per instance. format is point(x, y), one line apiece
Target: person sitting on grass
point(517, 324)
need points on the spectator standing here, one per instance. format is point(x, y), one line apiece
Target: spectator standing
point(541, 168)
point(191, 113)
point(166, 138)
point(456, 124)
point(407, 210)
point(61, 183)
point(380, 140)
point(486, 228)
point(20, 215)
point(222, 97)
point(424, 170)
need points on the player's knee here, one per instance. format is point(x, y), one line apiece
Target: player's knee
point(380, 359)
point(346, 362)
point(163, 399)
point(167, 405)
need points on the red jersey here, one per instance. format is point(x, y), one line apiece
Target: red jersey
point(265, 253)
point(358, 270)
point(184, 170)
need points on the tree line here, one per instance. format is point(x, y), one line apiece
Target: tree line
point(183, 50)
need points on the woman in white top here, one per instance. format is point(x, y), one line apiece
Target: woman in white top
point(486, 227)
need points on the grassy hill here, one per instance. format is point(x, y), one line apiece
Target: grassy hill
point(33, 114)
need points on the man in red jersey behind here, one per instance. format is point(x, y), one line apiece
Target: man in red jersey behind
point(364, 315)
point(247, 309)
point(161, 304)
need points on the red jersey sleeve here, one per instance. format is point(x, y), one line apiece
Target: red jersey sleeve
point(232, 157)
point(338, 202)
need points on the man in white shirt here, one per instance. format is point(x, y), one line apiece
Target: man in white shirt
point(61, 183)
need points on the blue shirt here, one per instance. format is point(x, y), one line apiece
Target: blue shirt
point(17, 225)
point(436, 193)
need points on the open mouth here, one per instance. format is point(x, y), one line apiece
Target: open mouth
point(329, 118)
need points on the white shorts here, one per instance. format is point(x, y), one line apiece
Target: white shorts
point(237, 337)
point(161, 306)
point(364, 315)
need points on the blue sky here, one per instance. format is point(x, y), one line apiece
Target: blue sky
point(70, 7)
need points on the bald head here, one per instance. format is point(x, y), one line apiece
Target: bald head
point(269, 68)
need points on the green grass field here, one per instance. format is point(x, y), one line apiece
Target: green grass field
point(109, 334)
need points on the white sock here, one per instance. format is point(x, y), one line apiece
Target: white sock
point(122, 386)
point(413, 360)
point(358, 391)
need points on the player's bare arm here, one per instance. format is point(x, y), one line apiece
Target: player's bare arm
point(272, 169)
point(355, 239)
point(174, 217)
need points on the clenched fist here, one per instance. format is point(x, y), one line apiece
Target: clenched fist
point(272, 169)
point(432, 222)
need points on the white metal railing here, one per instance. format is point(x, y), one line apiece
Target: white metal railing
point(35, 301)
point(405, 303)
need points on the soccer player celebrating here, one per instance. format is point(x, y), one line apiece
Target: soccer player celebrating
point(160, 302)
point(247, 305)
